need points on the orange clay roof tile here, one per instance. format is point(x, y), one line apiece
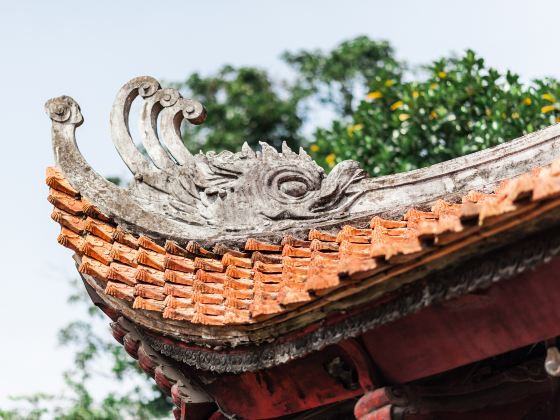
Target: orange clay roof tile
point(229, 259)
point(56, 181)
point(100, 229)
point(66, 203)
point(147, 243)
point(94, 268)
point(178, 290)
point(254, 245)
point(148, 304)
point(266, 258)
point(74, 223)
point(149, 275)
point(174, 248)
point(124, 254)
point(120, 236)
point(149, 291)
point(178, 302)
point(295, 242)
point(151, 259)
point(179, 277)
point(122, 273)
point(228, 286)
point(322, 236)
point(196, 249)
point(120, 290)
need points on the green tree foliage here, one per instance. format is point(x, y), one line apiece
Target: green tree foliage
point(335, 77)
point(243, 104)
point(459, 106)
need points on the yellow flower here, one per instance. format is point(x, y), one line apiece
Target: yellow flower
point(415, 94)
point(374, 95)
point(433, 115)
point(404, 117)
point(548, 108)
point(433, 86)
point(488, 112)
point(548, 97)
point(558, 119)
point(527, 101)
point(515, 115)
point(442, 75)
point(314, 148)
point(397, 105)
point(389, 82)
point(330, 159)
point(351, 128)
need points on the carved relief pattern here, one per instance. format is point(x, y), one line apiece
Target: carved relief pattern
point(181, 196)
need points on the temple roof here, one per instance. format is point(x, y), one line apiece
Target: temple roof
point(216, 268)
point(205, 251)
point(223, 286)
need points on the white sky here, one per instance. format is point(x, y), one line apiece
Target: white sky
point(89, 49)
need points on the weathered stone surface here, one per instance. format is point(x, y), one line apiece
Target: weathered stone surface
point(228, 197)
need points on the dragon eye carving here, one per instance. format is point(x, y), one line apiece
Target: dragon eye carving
point(294, 189)
point(288, 184)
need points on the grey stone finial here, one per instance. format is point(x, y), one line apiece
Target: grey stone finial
point(228, 196)
point(64, 109)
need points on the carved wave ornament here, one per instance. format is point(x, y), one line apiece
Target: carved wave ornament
point(228, 196)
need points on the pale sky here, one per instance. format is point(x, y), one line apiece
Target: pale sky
point(88, 49)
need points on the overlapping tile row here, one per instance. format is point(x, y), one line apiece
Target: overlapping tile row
point(226, 286)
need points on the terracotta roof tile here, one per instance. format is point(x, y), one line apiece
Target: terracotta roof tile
point(151, 259)
point(179, 314)
point(196, 249)
point(97, 248)
point(65, 202)
point(124, 254)
point(230, 259)
point(122, 273)
point(177, 263)
point(210, 276)
point(267, 268)
point(237, 272)
point(177, 290)
point(100, 229)
point(266, 258)
point(209, 264)
point(120, 290)
point(92, 211)
point(178, 302)
point(124, 238)
point(179, 277)
point(56, 181)
point(150, 275)
point(322, 236)
point(174, 248)
point(74, 223)
point(254, 245)
point(147, 243)
point(149, 291)
point(295, 242)
point(94, 268)
point(148, 304)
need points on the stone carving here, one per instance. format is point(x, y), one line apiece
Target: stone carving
point(230, 196)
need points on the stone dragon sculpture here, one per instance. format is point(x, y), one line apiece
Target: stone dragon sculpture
point(177, 195)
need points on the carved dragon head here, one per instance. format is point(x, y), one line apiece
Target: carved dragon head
point(202, 195)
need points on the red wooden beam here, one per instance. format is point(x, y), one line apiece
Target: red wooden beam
point(509, 315)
